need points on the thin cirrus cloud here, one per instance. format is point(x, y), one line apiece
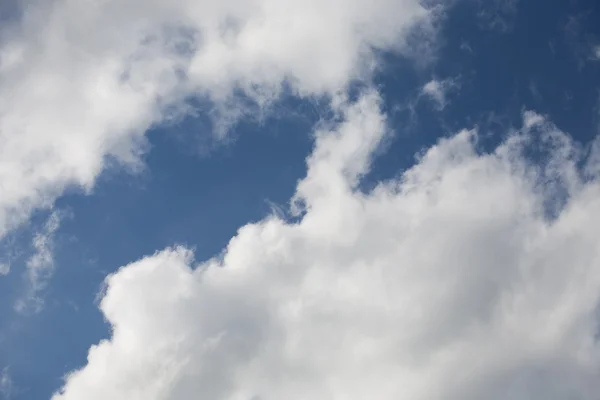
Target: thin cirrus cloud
point(451, 281)
point(6, 385)
point(39, 265)
point(498, 15)
point(81, 82)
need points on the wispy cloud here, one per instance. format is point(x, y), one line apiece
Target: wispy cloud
point(40, 265)
point(498, 15)
point(465, 46)
point(584, 46)
point(6, 384)
point(535, 91)
point(438, 90)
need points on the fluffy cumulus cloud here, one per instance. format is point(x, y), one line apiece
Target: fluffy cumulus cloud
point(452, 281)
point(81, 81)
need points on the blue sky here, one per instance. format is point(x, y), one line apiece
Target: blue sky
point(491, 60)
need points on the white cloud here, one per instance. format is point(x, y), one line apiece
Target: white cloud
point(438, 90)
point(40, 265)
point(450, 282)
point(81, 81)
point(6, 384)
point(4, 268)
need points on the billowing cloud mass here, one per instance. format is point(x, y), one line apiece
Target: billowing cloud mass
point(471, 276)
point(82, 81)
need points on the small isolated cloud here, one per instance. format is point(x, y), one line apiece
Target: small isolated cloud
point(438, 90)
point(40, 265)
point(583, 45)
point(498, 15)
point(450, 282)
point(465, 46)
point(596, 52)
point(535, 91)
point(6, 385)
point(4, 268)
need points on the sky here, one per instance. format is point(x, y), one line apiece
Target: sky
point(267, 199)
